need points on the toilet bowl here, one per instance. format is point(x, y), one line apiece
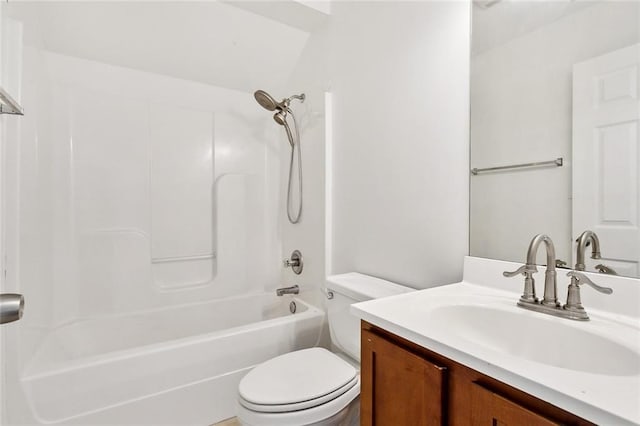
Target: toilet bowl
point(315, 386)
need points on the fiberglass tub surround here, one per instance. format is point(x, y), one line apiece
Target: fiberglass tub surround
point(171, 225)
point(149, 204)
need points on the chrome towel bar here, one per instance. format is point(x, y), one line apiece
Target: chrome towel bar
point(557, 162)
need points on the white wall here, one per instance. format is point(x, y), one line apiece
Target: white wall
point(521, 112)
point(399, 78)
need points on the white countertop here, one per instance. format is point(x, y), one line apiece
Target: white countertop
point(604, 398)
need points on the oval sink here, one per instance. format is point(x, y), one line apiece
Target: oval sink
point(539, 338)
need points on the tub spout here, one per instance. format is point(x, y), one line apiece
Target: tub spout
point(288, 290)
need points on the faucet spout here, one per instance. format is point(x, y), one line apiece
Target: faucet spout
point(288, 290)
point(550, 286)
point(583, 240)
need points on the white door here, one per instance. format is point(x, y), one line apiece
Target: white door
point(606, 158)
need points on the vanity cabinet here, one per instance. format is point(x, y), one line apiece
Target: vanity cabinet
point(402, 388)
point(405, 384)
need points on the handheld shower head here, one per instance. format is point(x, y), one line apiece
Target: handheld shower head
point(266, 101)
point(280, 117)
point(282, 109)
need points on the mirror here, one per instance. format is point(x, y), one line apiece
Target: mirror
point(554, 91)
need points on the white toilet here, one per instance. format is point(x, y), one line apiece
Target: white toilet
point(315, 386)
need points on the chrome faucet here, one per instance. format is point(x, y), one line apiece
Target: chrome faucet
point(583, 240)
point(528, 298)
point(288, 290)
point(573, 309)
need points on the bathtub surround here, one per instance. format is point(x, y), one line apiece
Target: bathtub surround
point(138, 195)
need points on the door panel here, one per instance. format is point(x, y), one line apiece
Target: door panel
point(606, 158)
point(419, 400)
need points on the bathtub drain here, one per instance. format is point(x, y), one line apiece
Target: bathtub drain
point(292, 307)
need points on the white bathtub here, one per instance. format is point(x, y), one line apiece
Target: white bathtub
point(178, 366)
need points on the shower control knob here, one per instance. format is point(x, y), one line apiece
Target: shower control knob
point(294, 262)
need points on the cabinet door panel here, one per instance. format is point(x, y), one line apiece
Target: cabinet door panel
point(399, 387)
point(490, 409)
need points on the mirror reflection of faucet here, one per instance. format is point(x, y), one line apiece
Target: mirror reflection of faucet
point(573, 309)
point(604, 269)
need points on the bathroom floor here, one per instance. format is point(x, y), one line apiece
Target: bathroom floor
point(229, 422)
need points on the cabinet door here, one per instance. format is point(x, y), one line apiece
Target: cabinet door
point(490, 409)
point(399, 387)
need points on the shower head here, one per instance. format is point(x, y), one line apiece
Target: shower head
point(280, 117)
point(266, 101)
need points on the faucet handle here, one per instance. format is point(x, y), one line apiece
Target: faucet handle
point(524, 270)
point(529, 293)
point(583, 279)
point(295, 262)
point(288, 263)
point(604, 269)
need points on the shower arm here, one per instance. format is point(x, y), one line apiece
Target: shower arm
point(285, 102)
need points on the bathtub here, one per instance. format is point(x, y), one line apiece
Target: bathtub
point(173, 366)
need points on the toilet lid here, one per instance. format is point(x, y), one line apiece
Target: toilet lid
point(296, 377)
point(287, 408)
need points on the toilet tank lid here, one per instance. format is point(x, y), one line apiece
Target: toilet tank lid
point(364, 287)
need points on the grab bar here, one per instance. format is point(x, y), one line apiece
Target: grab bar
point(557, 162)
point(9, 105)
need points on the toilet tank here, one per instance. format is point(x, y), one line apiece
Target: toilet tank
point(347, 289)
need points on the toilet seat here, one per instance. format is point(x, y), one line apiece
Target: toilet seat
point(297, 377)
point(321, 414)
point(302, 405)
point(301, 387)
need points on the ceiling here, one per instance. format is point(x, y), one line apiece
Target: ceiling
point(495, 23)
point(210, 42)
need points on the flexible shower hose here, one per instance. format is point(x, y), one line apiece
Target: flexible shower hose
point(294, 143)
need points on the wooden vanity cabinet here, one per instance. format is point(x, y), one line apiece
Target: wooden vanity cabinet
point(405, 384)
point(402, 388)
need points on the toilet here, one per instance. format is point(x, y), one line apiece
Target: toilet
point(315, 386)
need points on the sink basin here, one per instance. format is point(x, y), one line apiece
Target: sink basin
point(539, 338)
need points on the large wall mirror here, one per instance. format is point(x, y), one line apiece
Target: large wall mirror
point(554, 118)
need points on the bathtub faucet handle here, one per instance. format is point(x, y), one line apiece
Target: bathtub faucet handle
point(294, 262)
point(289, 263)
